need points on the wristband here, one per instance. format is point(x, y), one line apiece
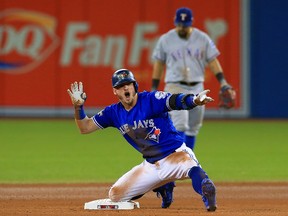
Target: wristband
point(182, 101)
point(155, 84)
point(79, 112)
point(189, 101)
point(220, 77)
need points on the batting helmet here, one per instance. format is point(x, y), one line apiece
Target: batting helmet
point(123, 76)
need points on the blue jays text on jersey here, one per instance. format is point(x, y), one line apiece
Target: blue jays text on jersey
point(147, 126)
point(137, 124)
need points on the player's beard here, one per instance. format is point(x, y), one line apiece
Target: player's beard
point(183, 34)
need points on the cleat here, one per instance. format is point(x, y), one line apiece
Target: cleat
point(166, 192)
point(209, 194)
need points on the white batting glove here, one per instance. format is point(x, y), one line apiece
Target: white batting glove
point(77, 95)
point(202, 99)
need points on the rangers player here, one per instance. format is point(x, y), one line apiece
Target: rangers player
point(142, 118)
point(185, 51)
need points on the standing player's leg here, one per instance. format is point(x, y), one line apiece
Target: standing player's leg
point(196, 116)
point(180, 122)
point(179, 117)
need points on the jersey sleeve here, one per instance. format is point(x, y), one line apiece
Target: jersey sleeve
point(212, 51)
point(159, 101)
point(103, 119)
point(158, 52)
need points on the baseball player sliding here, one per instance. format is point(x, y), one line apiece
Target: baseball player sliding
point(185, 51)
point(142, 118)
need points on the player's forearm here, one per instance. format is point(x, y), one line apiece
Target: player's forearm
point(158, 69)
point(155, 84)
point(79, 112)
point(188, 101)
point(78, 97)
point(221, 79)
point(181, 101)
point(84, 123)
point(216, 68)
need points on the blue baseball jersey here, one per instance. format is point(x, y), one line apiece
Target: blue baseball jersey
point(147, 126)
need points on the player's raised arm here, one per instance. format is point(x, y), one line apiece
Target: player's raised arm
point(78, 97)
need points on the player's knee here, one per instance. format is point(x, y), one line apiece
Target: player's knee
point(115, 194)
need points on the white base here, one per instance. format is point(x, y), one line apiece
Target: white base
point(107, 204)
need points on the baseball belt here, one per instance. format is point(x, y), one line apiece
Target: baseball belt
point(186, 83)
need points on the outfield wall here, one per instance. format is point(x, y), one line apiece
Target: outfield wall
point(46, 45)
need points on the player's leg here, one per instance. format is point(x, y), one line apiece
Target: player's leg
point(166, 192)
point(189, 167)
point(180, 121)
point(190, 141)
point(179, 118)
point(204, 186)
point(165, 170)
point(135, 183)
point(195, 120)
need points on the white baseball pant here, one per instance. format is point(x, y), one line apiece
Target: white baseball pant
point(146, 176)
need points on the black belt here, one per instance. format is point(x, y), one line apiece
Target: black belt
point(186, 83)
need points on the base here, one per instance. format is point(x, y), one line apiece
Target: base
point(107, 204)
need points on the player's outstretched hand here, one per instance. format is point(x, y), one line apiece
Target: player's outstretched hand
point(202, 99)
point(76, 93)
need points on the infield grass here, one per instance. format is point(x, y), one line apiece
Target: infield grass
point(53, 151)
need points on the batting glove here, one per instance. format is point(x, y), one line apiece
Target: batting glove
point(202, 99)
point(76, 93)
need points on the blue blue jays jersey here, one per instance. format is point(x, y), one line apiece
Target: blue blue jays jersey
point(147, 126)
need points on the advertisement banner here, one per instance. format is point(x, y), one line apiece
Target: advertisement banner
point(45, 45)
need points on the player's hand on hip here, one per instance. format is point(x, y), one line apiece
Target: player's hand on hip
point(76, 93)
point(202, 99)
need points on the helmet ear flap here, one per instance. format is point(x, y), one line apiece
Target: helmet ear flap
point(136, 86)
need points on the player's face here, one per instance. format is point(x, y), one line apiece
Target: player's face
point(183, 32)
point(126, 94)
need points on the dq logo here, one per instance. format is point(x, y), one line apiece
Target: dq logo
point(26, 39)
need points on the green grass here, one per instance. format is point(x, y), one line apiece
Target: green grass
point(244, 150)
point(53, 151)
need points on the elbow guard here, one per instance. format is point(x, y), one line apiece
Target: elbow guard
point(181, 102)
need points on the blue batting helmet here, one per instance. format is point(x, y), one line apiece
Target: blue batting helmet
point(123, 76)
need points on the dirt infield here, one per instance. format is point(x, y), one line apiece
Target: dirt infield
point(233, 199)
